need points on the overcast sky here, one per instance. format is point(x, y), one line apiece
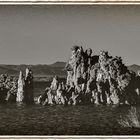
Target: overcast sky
point(45, 34)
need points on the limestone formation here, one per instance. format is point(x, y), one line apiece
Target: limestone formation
point(55, 83)
point(28, 91)
point(20, 91)
point(55, 94)
point(104, 78)
point(8, 88)
point(94, 79)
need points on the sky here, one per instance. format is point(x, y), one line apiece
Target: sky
point(45, 34)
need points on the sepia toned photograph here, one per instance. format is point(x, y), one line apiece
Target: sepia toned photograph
point(70, 70)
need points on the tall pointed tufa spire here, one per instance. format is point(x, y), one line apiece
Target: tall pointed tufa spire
point(20, 91)
point(29, 98)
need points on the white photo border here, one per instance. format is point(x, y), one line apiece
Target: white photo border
point(69, 2)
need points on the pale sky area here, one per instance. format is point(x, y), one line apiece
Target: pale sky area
point(45, 34)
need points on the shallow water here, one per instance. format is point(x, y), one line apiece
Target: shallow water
point(62, 120)
point(39, 87)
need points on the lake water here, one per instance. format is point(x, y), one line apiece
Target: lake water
point(62, 120)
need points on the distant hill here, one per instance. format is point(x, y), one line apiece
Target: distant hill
point(40, 70)
point(43, 70)
point(7, 70)
point(134, 68)
point(58, 64)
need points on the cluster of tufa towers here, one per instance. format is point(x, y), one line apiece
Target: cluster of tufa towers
point(94, 79)
point(25, 87)
point(91, 79)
